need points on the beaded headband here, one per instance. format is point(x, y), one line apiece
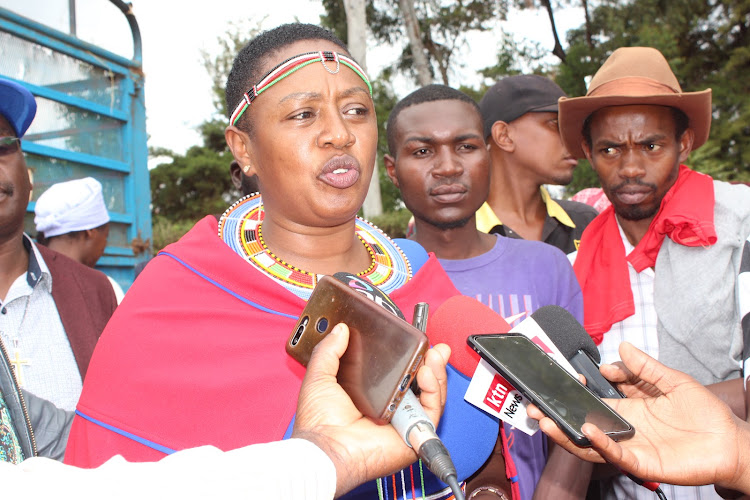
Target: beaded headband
point(291, 65)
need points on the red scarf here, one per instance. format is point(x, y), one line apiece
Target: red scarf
point(686, 215)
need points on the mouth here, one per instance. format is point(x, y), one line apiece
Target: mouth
point(632, 196)
point(570, 161)
point(449, 193)
point(340, 172)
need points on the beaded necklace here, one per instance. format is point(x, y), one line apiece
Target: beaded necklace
point(241, 227)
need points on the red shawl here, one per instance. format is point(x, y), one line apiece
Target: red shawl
point(195, 355)
point(686, 215)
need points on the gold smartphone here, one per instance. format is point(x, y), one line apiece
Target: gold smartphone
point(384, 350)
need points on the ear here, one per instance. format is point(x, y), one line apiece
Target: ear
point(587, 152)
point(686, 144)
point(240, 145)
point(390, 169)
point(502, 136)
point(235, 172)
point(586, 149)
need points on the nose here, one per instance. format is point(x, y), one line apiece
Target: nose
point(447, 164)
point(632, 164)
point(335, 131)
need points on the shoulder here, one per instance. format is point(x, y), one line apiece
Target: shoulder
point(734, 197)
point(66, 269)
point(732, 206)
point(579, 212)
point(415, 252)
point(532, 248)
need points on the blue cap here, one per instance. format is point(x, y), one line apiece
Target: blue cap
point(17, 105)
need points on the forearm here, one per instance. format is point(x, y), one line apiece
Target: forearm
point(732, 392)
point(564, 476)
point(51, 426)
point(290, 470)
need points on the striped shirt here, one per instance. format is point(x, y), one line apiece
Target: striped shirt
point(640, 330)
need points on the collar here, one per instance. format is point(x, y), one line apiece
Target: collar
point(555, 210)
point(37, 267)
point(487, 219)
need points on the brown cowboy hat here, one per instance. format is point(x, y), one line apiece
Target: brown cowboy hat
point(633, 75)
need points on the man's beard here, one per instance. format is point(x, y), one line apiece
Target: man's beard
point(635, 213)
point(445, 225)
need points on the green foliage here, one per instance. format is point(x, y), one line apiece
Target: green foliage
point(393, 223)
point(166, 231)
point(192, 186)
point(385, 99)
point(583, 177)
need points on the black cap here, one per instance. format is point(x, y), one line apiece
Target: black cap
point(514, 96)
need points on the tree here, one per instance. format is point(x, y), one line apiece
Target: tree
point(192, 185)
point(414, 35)
point(196, 184)
point(356, 32)
point(443, 27)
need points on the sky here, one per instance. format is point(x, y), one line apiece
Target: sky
point(175, 32)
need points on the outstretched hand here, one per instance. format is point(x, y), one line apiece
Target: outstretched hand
point(683, 433)
point(360, 449)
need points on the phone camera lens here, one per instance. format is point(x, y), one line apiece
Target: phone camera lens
point(321, 325)
point(300, 329)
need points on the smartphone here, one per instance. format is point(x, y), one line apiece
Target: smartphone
point(384, 350)
point(557, 393)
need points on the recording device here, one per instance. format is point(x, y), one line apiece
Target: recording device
point(557, 393)
point(457, 318)
point(577, 347)
point(379, 364)
point(384, 350)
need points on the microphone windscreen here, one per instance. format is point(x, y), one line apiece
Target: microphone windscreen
point(456, 319)
point(565, 331)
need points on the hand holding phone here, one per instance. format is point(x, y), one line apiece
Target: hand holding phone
point(384, 350)
point(557, 393)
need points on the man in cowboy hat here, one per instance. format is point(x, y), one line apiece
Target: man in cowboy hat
point(663, 266)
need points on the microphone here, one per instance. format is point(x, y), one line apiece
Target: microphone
point(417, 430)
point(456, 319)
point(577, 347)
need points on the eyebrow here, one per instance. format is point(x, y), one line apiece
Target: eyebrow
point(430, 140)
point(652, 138)
point(466, 137)
point(297, 96)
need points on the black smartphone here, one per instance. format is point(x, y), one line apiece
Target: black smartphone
point(557, 393)
point(384, 350)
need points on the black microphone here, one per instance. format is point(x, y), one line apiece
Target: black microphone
point(577, 347)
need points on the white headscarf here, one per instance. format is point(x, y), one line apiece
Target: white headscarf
point(71, 206)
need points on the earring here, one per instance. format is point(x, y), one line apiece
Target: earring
point(246, 168)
